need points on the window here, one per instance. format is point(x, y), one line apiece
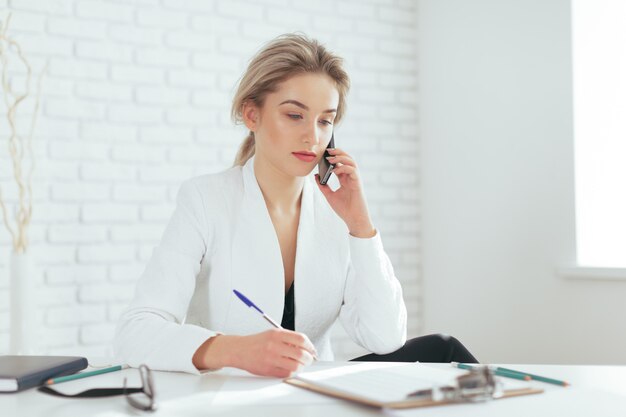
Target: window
point(599, 60)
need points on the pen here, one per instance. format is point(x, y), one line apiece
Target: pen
point(85, 374)
point(511, 373)
point(541, 378)
point(249, 303)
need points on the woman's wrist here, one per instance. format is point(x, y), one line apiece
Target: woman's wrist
point(215, 352)
point(361, 226)
point(364, 235)
point(363, 231)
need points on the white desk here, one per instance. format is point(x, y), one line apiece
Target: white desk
point(596, 391)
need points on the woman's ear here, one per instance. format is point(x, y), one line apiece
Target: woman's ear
point(250, 115)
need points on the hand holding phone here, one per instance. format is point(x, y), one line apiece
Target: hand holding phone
point(348, 200)
point(325, 168)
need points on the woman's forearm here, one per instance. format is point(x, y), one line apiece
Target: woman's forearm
point(216, 352)
point(274, 352)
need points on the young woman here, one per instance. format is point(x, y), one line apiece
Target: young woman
point(265, 227)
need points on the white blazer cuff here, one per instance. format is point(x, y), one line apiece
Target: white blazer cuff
point(368, 252)
point(191, 337)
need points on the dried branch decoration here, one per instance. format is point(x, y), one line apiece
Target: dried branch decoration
point(20, 147)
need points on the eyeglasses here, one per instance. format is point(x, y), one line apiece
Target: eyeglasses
point(142, 398)
point(478, 385)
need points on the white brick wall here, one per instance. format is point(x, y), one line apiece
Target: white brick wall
point(137, 99)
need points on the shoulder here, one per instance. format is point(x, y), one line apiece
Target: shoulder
point(208, 184)
point(212, 193)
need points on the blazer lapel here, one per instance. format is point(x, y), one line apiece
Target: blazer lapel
point(257, 266)
point(318, 284)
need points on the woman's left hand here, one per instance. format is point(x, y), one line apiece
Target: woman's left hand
point(348, 201)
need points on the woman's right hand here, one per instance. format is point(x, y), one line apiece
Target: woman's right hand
point(276, 352)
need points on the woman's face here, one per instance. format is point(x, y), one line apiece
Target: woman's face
point(295, 124)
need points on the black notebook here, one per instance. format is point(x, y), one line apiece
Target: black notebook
point(18, 373)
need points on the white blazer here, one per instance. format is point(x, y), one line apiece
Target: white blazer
point(221, 238)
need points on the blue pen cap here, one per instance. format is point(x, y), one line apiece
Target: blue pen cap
point(247, 301)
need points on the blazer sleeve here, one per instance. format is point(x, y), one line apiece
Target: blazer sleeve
point(151, 331)
point(373, 311)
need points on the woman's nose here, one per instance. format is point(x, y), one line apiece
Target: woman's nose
point(312, 135)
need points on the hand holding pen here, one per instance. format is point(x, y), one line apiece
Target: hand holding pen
point(281, 351)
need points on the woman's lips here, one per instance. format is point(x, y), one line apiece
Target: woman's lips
point(304, 157)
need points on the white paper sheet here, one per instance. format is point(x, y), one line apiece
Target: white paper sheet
point(385, 381)
point(244, 388)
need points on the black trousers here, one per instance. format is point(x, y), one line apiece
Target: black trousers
point(431, 348)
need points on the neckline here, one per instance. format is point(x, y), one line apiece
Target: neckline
point(306, 214)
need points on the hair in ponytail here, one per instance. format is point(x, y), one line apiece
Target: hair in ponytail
point(246, 150)
point(280, 59)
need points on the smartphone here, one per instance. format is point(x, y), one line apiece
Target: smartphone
point(324, 167)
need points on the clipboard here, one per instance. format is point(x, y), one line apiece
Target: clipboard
point(482, 391)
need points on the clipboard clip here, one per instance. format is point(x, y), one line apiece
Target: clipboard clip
point(478, 385)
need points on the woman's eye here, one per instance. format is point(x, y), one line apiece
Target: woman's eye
point(327, 122)
point(295, 116)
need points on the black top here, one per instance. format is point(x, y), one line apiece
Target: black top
point(289, 311)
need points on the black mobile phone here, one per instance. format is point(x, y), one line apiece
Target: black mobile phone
point(324, 167)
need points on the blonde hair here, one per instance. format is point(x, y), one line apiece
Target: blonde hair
point(280, 59)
